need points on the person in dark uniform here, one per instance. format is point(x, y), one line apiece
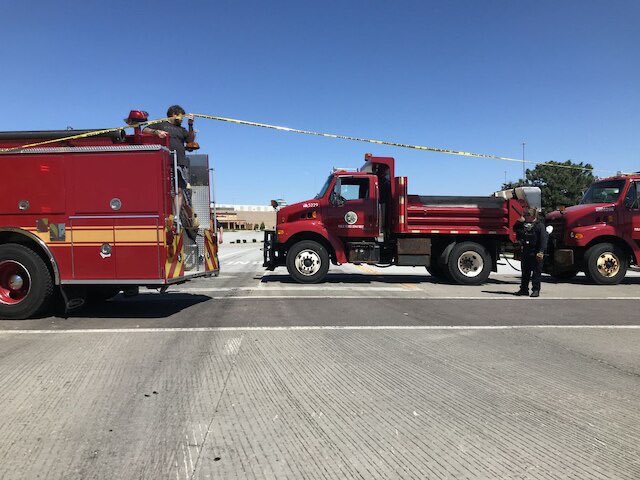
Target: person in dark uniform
point(532, 235)
point(179, 137)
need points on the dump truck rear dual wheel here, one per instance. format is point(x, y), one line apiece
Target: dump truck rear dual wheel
point(605, 264)
point(26, 286)
point(469, 264)
point(308, 262)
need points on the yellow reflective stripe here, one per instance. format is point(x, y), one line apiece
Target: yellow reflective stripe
point(84, 236)
point(136, 235)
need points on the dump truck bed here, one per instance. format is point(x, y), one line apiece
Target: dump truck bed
point(457, 215)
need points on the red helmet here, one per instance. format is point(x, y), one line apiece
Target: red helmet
point(137, 116)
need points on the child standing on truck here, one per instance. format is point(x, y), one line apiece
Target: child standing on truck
point(179, 138)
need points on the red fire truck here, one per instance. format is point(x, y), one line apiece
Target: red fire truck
point(366, 216)
point(84, 219)
point(601, 235)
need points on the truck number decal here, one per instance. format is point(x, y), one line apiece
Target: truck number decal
point(311, 205)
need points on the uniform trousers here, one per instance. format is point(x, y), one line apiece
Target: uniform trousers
point(531, 270)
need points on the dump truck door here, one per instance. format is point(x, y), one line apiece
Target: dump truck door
point(353, 207)
point(631, 213)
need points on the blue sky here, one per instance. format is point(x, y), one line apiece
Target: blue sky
point(481, 76)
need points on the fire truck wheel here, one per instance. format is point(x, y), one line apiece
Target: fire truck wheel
point(308, 262)
point(605, 264)
point(26, 286)
point(469, 264)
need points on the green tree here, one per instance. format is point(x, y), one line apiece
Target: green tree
point(262, 226)
point(561, 183)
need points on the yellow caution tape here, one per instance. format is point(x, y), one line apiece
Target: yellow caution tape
point(304, 132)
point(385, 142)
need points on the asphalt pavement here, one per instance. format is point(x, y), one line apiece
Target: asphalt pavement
point(377, 373)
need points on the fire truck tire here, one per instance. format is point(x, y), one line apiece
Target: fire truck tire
point(26, 286)
point(605, 264)
point(308, 262)
point(469, 264)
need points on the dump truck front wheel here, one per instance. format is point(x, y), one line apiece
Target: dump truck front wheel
point(308, 262)
point(605, 264)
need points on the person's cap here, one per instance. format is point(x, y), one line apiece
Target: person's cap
point(137, 116)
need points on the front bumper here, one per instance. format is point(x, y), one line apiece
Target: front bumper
point(269, 250)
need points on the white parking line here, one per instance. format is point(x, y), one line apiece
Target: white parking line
point(240, 262)
point(229, 255)
point(328, 327)
point(300, 288)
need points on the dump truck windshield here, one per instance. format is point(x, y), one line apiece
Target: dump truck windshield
point(603, 192)
point(325, 187)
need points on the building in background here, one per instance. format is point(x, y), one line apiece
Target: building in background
point(245, 217)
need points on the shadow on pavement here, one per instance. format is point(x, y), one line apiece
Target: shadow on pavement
point(357, 278)
point(141, 306)
point(500, 292)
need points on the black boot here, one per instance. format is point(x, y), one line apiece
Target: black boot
point(522, 293)
point(535, 293)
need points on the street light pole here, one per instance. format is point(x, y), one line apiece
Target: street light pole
point(524, 174)
point(212, 198)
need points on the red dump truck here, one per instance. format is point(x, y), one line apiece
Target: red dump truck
point(601, 235)
point(367, 217)
point(84, 219)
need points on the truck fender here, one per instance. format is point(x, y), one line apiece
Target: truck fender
point(336, 245)
point(36, 244)
point(444, 256)
point(624, 242)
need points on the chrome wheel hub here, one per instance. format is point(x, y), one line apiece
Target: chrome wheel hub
point(470, 264)
point(308, 262)
point(608, 264)
point(15, 282)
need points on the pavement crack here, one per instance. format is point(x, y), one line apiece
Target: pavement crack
point(215, 410)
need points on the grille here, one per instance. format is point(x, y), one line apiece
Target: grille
point(558, 228)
